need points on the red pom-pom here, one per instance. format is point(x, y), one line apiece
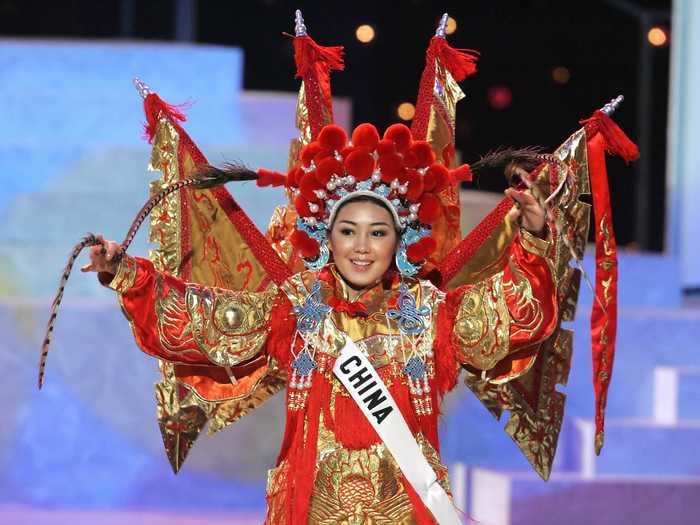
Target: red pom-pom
point(391, 167)
point(326, 168)
point(365, 136)
point(422, 154)
point(436, 178)
point(421, 249)
point(347, 150)
point(429, 208)
point(294, 176)
point(271, 178)
point(302, 206)
point(386, 147)
point(400, 135)
point(308, 185)
point(462, 173)
point(415, 185)
point(309, 152)
point(307, 246)
point(333, 137)
point(360, 164)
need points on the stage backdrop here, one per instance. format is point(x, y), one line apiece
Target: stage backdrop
point(683, 232)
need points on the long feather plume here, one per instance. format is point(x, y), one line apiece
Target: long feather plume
point(205, 178)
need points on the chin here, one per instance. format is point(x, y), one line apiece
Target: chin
point(360, 276)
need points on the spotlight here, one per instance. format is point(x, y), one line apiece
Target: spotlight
point(500, 97)
point(406, 111)
point(451, 25)
point(561, 75)
point(365, 33)
point(657, 36)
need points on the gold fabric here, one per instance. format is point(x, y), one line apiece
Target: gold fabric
point(229, 327)
point(180, 420)
point(536, 408)
point(125, 276)
point(165, 225)
point(482, 325)
point(489, 259)
point(219, 257)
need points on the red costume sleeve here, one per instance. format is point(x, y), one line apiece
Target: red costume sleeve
point(498, 323)
point(187, 323)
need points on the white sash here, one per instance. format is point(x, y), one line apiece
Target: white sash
point(357, 374)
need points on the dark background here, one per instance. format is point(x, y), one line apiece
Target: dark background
point(602, 43)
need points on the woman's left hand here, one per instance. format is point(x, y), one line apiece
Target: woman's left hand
point(532, 216)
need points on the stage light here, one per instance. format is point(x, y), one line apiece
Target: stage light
point(365, 33)
point(406, 111)
point(657, 36)
point(500, 97)
point(451, 25)
point(561, 75)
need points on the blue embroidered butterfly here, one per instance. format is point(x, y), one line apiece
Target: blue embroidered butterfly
point(312, 312)
point(408, 316)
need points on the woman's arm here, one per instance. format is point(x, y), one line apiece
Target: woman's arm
point(499, 322)
point(181, 322)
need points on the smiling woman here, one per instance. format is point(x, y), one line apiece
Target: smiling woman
point(363, 242)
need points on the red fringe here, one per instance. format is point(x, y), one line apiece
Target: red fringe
point(616, 142)
point(308, 56)
point(303, 468)
point(421, 249)
point(446, 369)
point(461, 63)
point(306, 245)
point(156, 108)
point(271, 178)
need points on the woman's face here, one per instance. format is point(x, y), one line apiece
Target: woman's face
point(363, 242)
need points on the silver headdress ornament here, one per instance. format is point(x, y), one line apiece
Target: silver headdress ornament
point(299, 27)
point(612, 106)
point(441, 30)
point(142, 87)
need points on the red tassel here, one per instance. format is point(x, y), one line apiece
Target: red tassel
point(462, 173)
point(420, 250)
point(616, 142)
point(308, 55)
point(306, 245)
point(461, 63)
point(155, 109)
point(271, 178)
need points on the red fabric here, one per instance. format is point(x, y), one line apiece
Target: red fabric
point(353, 309)
point(421, 249)
point(461, 63)
point(459, 256)
point(307, 246)
point(314, 64)
point(139, 304)
point(604, 310)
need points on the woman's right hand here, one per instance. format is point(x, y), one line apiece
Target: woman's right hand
point(102, 257)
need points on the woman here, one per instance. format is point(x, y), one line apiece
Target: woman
point(365, 214)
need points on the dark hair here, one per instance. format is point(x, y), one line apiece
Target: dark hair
point(365, 198)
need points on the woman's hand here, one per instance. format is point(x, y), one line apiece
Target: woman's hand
point(102, 257)
point(531, 214)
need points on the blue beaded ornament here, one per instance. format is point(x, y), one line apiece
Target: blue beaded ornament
point(407, 315)
point(312, 311)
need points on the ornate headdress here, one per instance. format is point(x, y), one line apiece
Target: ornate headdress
point(406, 170)
point(396, 170)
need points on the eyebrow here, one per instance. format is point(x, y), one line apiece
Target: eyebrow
point(371, 224)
